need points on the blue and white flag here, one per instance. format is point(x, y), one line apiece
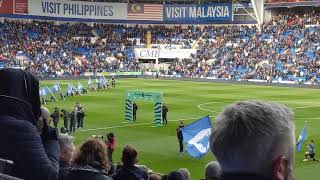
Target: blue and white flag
point(45, 91)
point(105, 80)
point(90, 83)
point(102, 81)
point(302, 138)
point(69, 89)
point(80, 87)
point(196, 135)
point(55, 88)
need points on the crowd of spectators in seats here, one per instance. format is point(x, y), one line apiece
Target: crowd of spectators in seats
point(284, 48)
point(260, 150)
point(61, 50)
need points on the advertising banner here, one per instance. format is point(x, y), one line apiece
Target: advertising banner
point(21, 6)
point(78, 9)
point(125, 73)
point(152, 53)
point(197, 12)
point(6, 6)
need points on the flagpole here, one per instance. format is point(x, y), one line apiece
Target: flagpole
point(86, 90)
point(88, 85)
point(82, 87)
point(53, 95)
point(76, 89)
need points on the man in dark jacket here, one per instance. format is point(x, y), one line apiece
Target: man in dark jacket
point(76, 110)
point(180, 137)
point(134, 109)
point(129, 170)
point(55, 117)
point(65, 116)
point(164, 114)
point(35, 157)
point(80, 116)
point(113, 82)
point(72, 122)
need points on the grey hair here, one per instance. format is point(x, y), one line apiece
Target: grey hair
point(186, 173)
point(65, 141)
point(213, 170)
point(247, 136)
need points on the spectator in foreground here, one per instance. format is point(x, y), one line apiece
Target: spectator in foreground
point(91, 162)
point(175, 175)
point(154, 177)
point(67, 149)
point(254, 140)
point(129, 170)
point(45, 116)
point(111, 144)
point(186, 173)
point(35, 157)
point(212, 171)
point(164, 177)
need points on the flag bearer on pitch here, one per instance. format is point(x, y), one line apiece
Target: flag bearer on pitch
point(180, 136)
point(134, 109)
point(113, 82)
point(164, 114)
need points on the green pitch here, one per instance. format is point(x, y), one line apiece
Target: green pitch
point(187, 101)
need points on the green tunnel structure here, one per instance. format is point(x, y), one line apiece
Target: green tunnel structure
point(154, 97)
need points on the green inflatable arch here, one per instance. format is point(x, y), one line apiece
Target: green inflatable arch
point(154, 97)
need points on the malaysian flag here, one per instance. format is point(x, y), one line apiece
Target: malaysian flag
point(153, 12)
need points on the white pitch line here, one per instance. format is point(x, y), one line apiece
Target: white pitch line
point(304, 107)
point(199, 106)
point(136, 124)
point(307, 118)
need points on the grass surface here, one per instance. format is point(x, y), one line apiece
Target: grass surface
point(186, 101)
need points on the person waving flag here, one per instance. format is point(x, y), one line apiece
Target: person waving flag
point(80, 87)
point(69, 90)
point(45, 91)
point(196, 135)
point(55, 88)
point(90, 83)
point(302, 138)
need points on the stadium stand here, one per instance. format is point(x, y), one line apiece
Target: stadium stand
point(286, 48)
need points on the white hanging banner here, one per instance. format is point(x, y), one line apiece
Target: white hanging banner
point(153, 53)
point(77, 9)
